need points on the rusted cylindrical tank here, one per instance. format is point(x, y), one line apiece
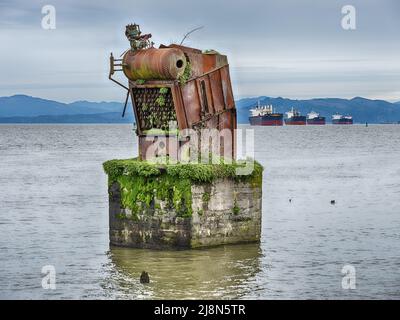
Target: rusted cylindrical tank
point(154, 64)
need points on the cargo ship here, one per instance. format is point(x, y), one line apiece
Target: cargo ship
point(265, 116)
point(315, 118)
point(340, 119)
point(294, 117)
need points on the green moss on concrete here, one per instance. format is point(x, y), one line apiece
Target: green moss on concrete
point(120, 216)
point(143, 182)
point(235, 209)
point(130, 167)
point(196, 173)
point(138, 193)
point(206, 197)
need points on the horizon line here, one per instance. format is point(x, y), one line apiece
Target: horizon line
point(241, 97)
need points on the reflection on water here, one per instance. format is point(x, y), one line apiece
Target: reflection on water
point(221, 272)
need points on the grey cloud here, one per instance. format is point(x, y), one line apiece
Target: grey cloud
point(283, 46)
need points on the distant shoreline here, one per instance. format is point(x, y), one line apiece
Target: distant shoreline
point(96, 118)
point(133, 123)
point(27, 109)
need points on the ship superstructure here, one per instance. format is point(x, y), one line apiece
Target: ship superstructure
point(293, 117)
point(340, 119)
point(314, 118)
point(265, 116)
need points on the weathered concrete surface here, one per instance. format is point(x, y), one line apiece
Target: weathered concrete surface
point(224, 212)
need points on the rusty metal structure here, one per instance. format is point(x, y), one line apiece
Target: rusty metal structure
point(178, 84)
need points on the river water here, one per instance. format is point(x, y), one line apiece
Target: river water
point(54, 211)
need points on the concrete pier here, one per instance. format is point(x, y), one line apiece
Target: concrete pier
point(182, 206)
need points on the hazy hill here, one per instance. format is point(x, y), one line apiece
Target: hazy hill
point(107, 117)
point(26, 109)
point(363, 110)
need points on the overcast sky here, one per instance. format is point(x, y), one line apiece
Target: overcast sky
point(288, 48)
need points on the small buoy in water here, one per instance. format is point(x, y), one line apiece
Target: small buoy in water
point(144, 277)
point(333, 201)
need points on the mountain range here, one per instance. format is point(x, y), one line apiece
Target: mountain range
point(27, 109)
point(362, 109)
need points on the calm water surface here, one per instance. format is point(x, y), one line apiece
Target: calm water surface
point(54, 211)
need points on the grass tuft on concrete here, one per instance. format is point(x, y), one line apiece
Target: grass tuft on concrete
point(143, 183)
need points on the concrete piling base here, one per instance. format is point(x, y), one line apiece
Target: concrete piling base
point(155, 212)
